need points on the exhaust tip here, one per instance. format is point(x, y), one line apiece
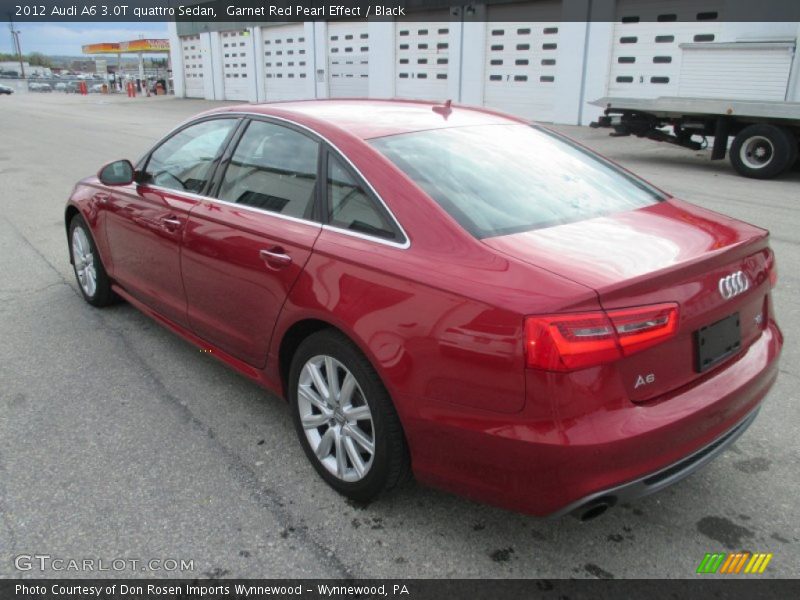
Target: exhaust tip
point(595, 508)
point(593, 511)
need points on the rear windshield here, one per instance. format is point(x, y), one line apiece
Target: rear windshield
point(501, 179)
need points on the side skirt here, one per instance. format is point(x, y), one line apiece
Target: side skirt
point(237, 365)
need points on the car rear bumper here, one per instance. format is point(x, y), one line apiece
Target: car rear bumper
point(551, 459)
point(654, 482)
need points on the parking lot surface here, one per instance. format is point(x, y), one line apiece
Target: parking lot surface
point(119, 440)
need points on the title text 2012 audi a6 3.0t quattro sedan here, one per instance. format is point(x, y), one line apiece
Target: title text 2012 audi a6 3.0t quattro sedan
point(445, 291)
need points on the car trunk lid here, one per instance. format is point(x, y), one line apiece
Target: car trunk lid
point(668, 252)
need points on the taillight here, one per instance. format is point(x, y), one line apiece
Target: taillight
point(640, 328)
point(573, 341)
point(772, 269)
point(568, 342)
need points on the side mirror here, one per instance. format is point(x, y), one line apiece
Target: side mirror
point(119, 172)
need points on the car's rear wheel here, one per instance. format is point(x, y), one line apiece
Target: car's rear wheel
point(763, 151)
point(345, 418)
point(93, 282)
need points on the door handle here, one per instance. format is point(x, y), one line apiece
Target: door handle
point(171, 223)
point(276, 257)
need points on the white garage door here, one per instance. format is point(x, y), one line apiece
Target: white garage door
point(348, 59)
point(192, 66)
point(237, 54)
point(520, 71)
point(422, 55)
point(286, 56)
point(646, 58)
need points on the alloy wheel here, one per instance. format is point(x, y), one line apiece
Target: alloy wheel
point(336, 418)
point(83, 260)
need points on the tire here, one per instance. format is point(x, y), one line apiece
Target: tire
point(93, 281)
point(389, 464)
point(763, 151)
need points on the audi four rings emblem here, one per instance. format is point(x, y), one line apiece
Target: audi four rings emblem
point(733, 285)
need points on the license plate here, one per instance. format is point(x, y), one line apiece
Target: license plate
point(717, 342)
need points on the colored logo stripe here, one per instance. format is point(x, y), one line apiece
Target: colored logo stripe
point(734, 563)
point(758, 563)
point(710, 563)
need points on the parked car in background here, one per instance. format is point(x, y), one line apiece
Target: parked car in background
point(40, 87)
point(444, 290)
point(4, 89)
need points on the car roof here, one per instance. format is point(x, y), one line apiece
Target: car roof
point(368, 119)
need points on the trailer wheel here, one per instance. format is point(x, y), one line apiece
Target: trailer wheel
point(763, 151)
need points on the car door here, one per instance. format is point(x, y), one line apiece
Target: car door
point(244, 250)
point(146, 220)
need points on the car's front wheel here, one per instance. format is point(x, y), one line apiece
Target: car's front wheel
point(93, 281)
point(345, 418)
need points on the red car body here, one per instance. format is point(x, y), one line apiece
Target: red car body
point(442, 318)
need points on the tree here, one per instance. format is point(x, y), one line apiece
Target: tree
point(37, 59)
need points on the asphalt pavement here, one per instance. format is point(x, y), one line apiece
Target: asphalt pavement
point(118, 440)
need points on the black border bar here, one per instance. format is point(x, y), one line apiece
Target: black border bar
point(708, 586)
point(267, 11)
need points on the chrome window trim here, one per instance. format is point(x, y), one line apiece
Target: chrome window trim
point(246, 207)
point(366, 236)
point(259, 116)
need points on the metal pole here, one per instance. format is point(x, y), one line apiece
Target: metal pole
point(141, 71)
point(167, 87)
point(17, 47)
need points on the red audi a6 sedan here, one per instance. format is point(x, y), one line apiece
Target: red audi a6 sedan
point(446, 291)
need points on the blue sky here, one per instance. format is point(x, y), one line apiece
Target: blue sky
point(67, 38)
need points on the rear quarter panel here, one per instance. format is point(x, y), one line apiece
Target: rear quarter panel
point(424, 341)
point(436, 330)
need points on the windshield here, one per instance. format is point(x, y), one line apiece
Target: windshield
point(501, 179)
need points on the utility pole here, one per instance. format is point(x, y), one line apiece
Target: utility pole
point(17, 47)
